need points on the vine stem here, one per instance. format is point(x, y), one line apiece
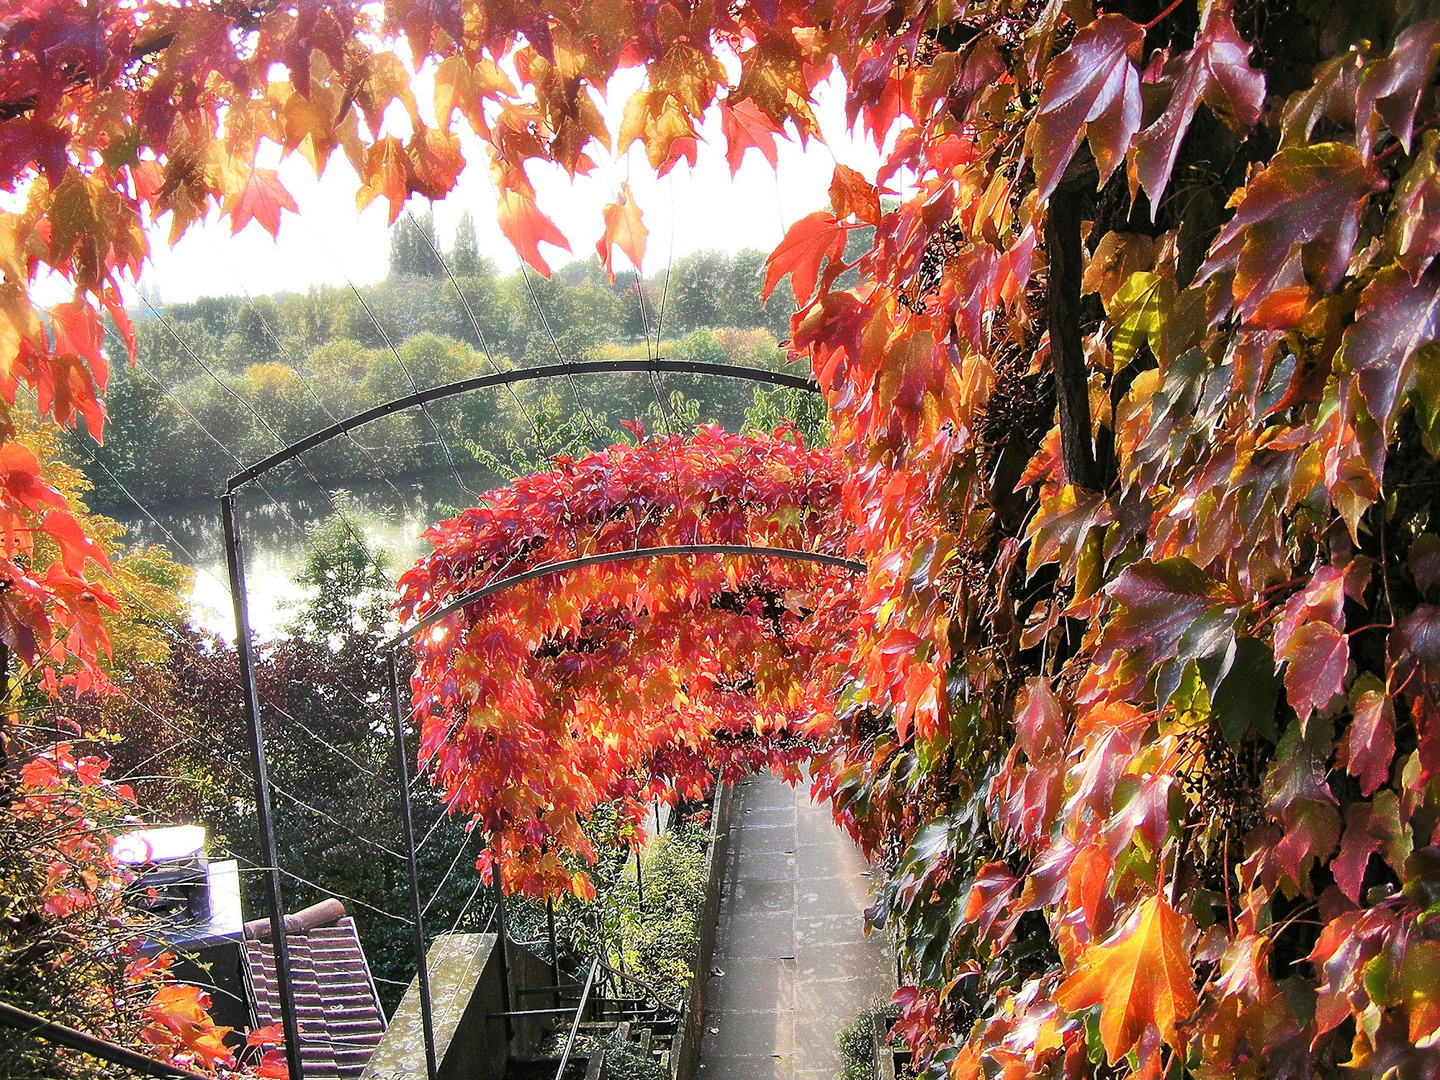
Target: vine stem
point(1162, 16)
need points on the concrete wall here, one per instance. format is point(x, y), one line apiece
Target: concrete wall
point(685, 1053)
point(465, 990)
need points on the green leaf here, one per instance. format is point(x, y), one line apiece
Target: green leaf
point(1246, 694)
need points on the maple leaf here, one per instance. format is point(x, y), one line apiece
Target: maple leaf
point(623, 229)
point(814, 237)
point(526, 228)
point(1039, 720)
point(1139, 311)
point(745, 125)
point(1141, 978)
point(1330, 97)
point(1217, 71)
point(1308, 198)
point(261, 199)
point(1413, 234)
point(1414, 652)
point(1369, 827)
point(1093, 88)
point(1389, 90)
point(990, 892)
point(1397, 317)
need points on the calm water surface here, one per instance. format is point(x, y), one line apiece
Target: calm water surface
point(274, 536)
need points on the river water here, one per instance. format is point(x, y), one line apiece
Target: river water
point(273, 532)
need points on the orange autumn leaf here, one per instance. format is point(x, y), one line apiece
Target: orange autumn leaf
point(1140, 977)
point(261, 199)
point(851, 193)
point(808, 241)
point(623, 229)
point(526, 228)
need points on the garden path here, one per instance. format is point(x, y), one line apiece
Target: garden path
point(790, 941)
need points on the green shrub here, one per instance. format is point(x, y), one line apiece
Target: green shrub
point(857, 1042)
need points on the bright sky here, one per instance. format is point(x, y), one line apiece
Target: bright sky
point(328, 243)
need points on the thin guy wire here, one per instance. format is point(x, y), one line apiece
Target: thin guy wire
point(372, 706)
point(475, 325)
point(175, 629)
point(381, 474)
point(444, 446)
point(545, 322)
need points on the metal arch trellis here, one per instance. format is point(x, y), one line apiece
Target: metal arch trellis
point(234, 551)
point(508, 378)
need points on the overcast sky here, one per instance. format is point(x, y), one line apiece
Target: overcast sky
point(691, 209)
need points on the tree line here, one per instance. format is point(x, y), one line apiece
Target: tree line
point(222, 381)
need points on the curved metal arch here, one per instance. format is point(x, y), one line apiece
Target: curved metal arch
point(505, 378)
point(546, 569)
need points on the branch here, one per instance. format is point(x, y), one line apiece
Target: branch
point(1067, 353)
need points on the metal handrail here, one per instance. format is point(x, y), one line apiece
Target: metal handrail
point(39, 1027)
point(575, 1026)
point(643, 986)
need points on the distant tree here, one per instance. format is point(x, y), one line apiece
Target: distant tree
point(696, 286)
point(465, 258)
point(350, 579)
point(740, 296)
point(413, 245)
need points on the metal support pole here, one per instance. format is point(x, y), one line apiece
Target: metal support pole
point(235, 557)
point(502, 942)
point(554, 953)
point(422, 969)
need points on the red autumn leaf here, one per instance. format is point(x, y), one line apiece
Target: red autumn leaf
point(1217, 71)
point(1390, 89)
point(76, 549)
point(1370, 743)
point(1092, 87)
point(1414, 653)
point(623, 229)
point(1309, 199)
point(1317, 658)
point(990, 892)
point(746, 125)
point(261, 199)
point(435, 163)
point(1397, 318)
point(1322, 600)
point(1356, 847)
point(527, 228)
point(813, 238)
point(1413, 234)
point(269, 1035)
point(1141, 978)
point(851, 193)
point(386, 174)
point(1039, 720)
